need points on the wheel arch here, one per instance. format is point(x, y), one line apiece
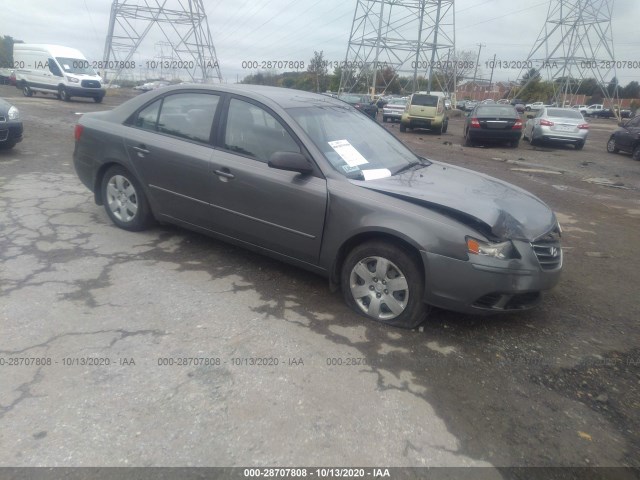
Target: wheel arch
point(97, 183)
point(394, 238)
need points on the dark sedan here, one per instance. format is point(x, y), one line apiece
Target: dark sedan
point(10, 125)
point(493, 123)
point(626, 138)
point(362, 103)
point(309, 180)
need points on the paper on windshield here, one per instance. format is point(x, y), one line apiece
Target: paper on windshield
point(375, 173)
point(348, 153)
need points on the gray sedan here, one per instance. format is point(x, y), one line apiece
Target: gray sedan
point(309, 180)
point(562, 125)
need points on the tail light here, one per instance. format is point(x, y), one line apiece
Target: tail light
point(584, 126)
point(546, 123)
point(77, 132)
point(475, 123)
point(517, 125)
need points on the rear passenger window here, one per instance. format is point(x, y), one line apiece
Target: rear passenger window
point(254, 132)
point(185, 115)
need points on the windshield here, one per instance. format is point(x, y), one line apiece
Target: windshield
point(397, 101)
point(78, 66)
point(354, 145)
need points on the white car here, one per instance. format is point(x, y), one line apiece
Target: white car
point(534, 106)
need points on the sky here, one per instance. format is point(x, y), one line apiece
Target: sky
point(290, 30)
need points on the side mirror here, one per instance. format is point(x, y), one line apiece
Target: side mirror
point(290, 161)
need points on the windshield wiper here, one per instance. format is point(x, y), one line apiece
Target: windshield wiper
point(423, 162)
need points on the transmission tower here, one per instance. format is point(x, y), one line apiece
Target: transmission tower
point(575, 43)
point(401, 41)
point(184, 27)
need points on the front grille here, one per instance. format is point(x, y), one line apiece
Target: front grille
point(508, 301)
point(548, 250)
point(3, 119)
point(90, 84)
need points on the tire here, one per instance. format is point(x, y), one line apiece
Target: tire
point(468, 142)
point(26, 90)
point(579, 145)
point(384, 119)
point(63, 94)
point(514, 143)
point(367, 275)
point(636, 153)
point(98, 99)
point(403, 128)
point(124, 200)
point(445, 127)
point(611, 146)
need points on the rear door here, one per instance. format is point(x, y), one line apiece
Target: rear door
point(169, 143)
point(274, 209)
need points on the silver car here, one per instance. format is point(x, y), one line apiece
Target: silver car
point(563, 125)
point(394, 109)
point(307, 179)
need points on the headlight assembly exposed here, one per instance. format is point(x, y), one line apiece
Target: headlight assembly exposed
point(13, 114)
point(502, 250)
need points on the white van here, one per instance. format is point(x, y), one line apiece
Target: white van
point(63, 71)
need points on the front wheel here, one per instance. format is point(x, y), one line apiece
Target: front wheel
point(26, 90)
point(385, 283)
point(611, 146)
point(63, 94)
point(98, 99)
point(124, 200)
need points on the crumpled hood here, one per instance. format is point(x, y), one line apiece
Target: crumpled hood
point(506, 211)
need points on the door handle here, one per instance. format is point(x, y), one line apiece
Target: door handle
point(142, 151)
point(224, 173)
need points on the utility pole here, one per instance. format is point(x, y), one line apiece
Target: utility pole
point(475, 72)
point(493, 65)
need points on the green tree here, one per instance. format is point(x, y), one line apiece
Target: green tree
point(318, 69)
point(6, 51)
point(632, 90)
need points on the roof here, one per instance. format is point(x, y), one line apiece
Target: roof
point(284, 97)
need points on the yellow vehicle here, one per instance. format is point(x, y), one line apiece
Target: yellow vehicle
point(425, 111)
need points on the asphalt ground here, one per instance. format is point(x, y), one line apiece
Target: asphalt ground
point(168, 348)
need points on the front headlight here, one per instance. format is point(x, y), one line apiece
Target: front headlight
point(13, 114)
point(73, 80)
point(502, 251)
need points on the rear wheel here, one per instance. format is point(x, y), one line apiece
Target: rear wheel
point(445, 126)
point(98, 99)
point(611, 146)
point(579, 145)
point(403, 128)
point(636, 153)
point(514, 143)
point(384, 282)
point(384, 119)
point(124, 200)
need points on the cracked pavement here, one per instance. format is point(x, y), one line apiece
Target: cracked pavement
point(106, 307)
